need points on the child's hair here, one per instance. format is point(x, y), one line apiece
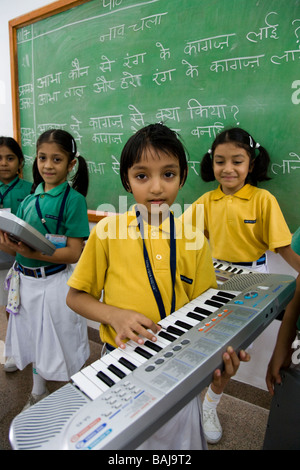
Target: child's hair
point(67, 143)
point(159, 137)
point(13, 145)
point(259, 156)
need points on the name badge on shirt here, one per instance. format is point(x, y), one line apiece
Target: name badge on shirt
point(60, 241)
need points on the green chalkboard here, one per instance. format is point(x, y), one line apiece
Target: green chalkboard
point(105, 68)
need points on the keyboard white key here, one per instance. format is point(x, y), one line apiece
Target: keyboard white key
point(90, 373)
point(86, 385)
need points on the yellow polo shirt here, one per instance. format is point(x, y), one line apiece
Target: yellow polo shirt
point(240, 227)
point(113, 261)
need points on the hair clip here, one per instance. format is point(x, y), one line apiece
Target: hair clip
point(73, 146)
point(209, 151)
point(251, 141)
point(257, 145)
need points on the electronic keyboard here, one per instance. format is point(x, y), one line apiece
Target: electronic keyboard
point(225, 271)
point(124, 397)
point(19, 230)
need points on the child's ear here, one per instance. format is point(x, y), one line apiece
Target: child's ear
point(251, 166)
point(71, 165)
point(183, 179)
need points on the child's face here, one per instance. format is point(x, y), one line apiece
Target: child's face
point(155, 180)
point(231, 165)
point(9, 165)
point(53, 165)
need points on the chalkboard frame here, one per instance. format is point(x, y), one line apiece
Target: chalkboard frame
point(32, 17)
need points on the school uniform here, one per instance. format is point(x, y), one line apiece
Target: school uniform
point(243, 226)
point(11, 195)
point(113, 261)
point(45, 331)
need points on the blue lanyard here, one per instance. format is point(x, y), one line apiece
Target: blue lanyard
point(60, 215)
point(149, 270)
point(2, 196)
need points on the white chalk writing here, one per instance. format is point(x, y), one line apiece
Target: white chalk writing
point(161, 77)
point(168, 113)
point(287, 56)
point(206, 44)
point(264, 32)
point(107, 138)
point(78, 71)
point(211, 131)
point(225, 65)
point(130, 61)
point(105, 66)
point(106, 121)
point(148, 22)
point(47, 80)
point(287, 165)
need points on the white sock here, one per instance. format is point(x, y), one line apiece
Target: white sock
point(39, 384)
point(211, 399)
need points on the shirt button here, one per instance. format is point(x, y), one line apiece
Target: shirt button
point(159, 257)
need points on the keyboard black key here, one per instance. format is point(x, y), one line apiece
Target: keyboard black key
point(203, 311)
point(118, 372)
point(167, 336)
point(143, 352)
point(153, 346)
point(218, 298)
point(213, 303)
point(175, 331)
point(127, 363)
point(226, 294)
point(183, 325)
point(107, 380)
point(196, 316)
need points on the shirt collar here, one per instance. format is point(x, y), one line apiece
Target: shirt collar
point(9, 184)
point(53, 192)
point(244, 193)
point(164, 226)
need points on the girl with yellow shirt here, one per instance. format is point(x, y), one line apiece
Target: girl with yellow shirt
point(241, 222)
point(148, 265)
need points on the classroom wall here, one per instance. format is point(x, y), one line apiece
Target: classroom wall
point(15, 8)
